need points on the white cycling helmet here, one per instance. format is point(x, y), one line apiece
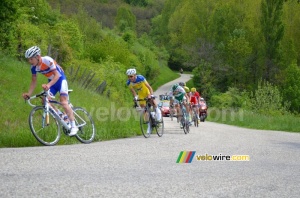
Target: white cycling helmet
point(33, 51)
point(131, 72)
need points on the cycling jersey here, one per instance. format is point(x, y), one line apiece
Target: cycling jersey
point(47, 68)
point(140, 87)
point(178, 93)
point(194, 97)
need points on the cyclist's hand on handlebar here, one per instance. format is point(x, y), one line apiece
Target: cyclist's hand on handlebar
point(135, 98)
point(45, 87)
point(152, 96)
point(25, 96)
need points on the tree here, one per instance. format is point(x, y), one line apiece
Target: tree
point(237, 52)
point(125, 19)
point(291, 86)
point(204, 79)
point(8, 17)
point(273, 31)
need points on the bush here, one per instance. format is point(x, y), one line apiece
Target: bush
point(268, 100)
point(290, 88)
point(232, 98)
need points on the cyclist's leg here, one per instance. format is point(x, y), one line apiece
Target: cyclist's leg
point(62, 86)
point(177, 107)
point(171, 105)
point(53, 90)
point(157, 110)
point(198, 111)
point(187, 109)
point(145, 113)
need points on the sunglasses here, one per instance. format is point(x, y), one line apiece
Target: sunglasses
point(130, 76)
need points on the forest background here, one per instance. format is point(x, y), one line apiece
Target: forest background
point(243, 54)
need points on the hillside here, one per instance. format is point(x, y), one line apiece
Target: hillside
point(15, 78)
point(105, 11)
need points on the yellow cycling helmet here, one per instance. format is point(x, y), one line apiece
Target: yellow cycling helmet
point(193, 89)
point(186, 89)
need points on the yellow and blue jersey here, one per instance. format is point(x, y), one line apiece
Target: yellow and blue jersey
point(139, 86)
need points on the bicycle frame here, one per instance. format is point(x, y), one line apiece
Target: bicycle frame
point(45, 96)
point(183, 109)
point(184, 117)
point(147, 108)
point(147, 119)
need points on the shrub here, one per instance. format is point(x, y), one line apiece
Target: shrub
point(268, 100)
point(233, 98)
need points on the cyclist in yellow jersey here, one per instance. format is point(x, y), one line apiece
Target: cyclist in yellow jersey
point(141, 89)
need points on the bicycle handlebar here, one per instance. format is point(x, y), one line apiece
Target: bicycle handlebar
point(145, 99)
point(43, 93)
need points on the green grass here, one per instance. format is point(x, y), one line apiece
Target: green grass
point(112, 120)
point(252, 120)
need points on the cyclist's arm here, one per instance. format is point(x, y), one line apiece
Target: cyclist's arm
point(54, 80)
point(133, 92)
point(32, 85)
point(187, 98)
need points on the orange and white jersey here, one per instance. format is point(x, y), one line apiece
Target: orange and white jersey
point(47, 68)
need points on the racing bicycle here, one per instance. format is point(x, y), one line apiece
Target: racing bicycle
point(148, 118)
point(184, 118)
point(195, 113)
point(46, 123)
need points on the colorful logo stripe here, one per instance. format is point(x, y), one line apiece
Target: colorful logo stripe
point(185, 157)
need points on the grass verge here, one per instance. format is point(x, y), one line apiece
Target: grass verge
point(112, 120)
point(247, 119)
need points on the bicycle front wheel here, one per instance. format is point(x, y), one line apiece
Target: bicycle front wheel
point(85, 124)
point(159, 127)
point(47, 133)
point(183, 123)
point(145, 123)
point(195, 120)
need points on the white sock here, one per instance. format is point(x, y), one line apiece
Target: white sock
point(73, 124)
point(158, 114)
point(149, 128)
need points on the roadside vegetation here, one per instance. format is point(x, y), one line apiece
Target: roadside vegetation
point(244, 57)
point(113, 118)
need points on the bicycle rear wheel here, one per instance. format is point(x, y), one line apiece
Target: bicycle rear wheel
point(171, 113)
point(145, 122)
point(85, 124)
point(46, 134)
point(195, 119)
point(183, 123)
point(159, 127)
point(187, 126)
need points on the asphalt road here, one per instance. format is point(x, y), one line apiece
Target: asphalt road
point(140, 167)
